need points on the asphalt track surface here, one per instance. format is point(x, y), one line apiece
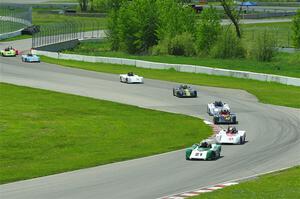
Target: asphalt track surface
point(272, 133)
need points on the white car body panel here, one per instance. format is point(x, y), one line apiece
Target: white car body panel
point(228, 138)
point(213, 110)
point(131, 79)
point(200, 155)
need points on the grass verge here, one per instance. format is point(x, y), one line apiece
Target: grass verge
point(45, 132)
point(283, 184)
point(266, 92)
point(283, 64)
point(87, 23)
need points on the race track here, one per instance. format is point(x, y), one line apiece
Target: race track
point(272, 133)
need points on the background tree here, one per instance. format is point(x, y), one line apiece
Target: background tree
point(233, 14)
point(208, 30)
point(114, 7)
point(296, 30)
point(83, 5)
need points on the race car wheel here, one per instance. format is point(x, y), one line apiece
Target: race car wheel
point(174, 94)
point(241, 140)
point(120, 79)
point(126, 80)
point(195, 93)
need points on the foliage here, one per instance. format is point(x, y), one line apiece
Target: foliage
point(227, 46)
point(139, 25)
point(208, 30)
point(233, 14)
point(296, 29)
point(182, 44)
point(133, 26)
point(174, 19)
point(265, 47)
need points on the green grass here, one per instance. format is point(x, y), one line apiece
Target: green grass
point(283, 64)
point(282, 32)
point(45, 132)
point(16, 38)
point(7, 26)
point(266, 92)
point(283, 184)
point(88, 23)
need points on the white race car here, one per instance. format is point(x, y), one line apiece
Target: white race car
point(131, 78)
point(216, 107)
point(231, 136)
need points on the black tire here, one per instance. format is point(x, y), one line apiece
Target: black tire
point(241, 140)
point(215, 120)
point(174, 94)
point(126, 80)
point(195, 93)
point(234, 120)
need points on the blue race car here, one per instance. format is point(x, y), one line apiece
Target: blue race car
point(30, 58)
point(225, 117)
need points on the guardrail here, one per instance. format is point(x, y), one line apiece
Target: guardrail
point(10, 34)
point(178, 67)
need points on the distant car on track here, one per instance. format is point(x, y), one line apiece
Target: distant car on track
point(231, 136)
point(184, 91)
point(30, 58)
point(203, 151)
point(216, 107)
point(131, 78)
point(9, 52)
point(225, 117)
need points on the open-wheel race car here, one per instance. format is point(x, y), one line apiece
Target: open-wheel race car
point(231, 136)
point(131, 78)
point(206, 150)
point(9, 52)
point(184, 91)
point(225, 117)
point(30, 58)
point(216, 107)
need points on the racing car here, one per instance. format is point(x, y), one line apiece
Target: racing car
point(30, 58)
point(9, 52)
point(130, 78)
point(225, 117)
point(184, 91)
point(216, 107)
point(231, 136)
point(203, 151)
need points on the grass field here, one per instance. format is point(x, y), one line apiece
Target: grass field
point(282, 32)
point(283, 184)
point(7, 26)
point(283, 64)
point(45, 132)
point(88, 23)
point(266, 92)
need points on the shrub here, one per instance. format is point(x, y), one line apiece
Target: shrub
point(228, 45)
point(182, 45)
point(265, 47)
point(161, 48)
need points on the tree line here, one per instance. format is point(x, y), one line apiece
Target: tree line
point(171, 27)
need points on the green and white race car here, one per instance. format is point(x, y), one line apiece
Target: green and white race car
point(9, 52)
point(203, 151)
